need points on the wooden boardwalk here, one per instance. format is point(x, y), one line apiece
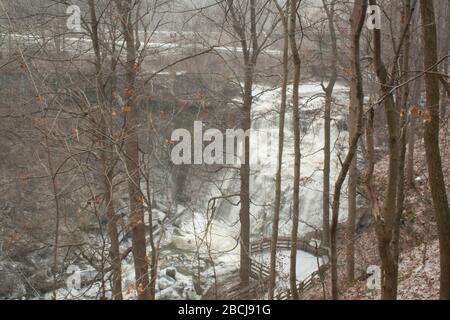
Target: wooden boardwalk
point(286, 244)
point(259, 273)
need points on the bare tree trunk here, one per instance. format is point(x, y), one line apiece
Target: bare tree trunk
point(297, 156)
point(330, 10)
point(388, 226)
point(445, 51)
point(353, 171)
point(403, 105)
point(136, 220)
point(336, 203)
point(357, 22)
point(389, 280)
point(113, 234)
point(107, 163)
point(276, 215)
point(244, 214)
point(412, 137)
point(326, 172)
point(351, 218)
point(55, 191)
point(433, 156)
point(250, 49)
point(154, 245)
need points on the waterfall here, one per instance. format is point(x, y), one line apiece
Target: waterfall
point(265, 120)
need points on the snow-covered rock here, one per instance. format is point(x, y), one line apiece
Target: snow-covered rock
point(165, 282)
point(12, 286)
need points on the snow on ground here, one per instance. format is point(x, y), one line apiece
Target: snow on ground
point(306, 263)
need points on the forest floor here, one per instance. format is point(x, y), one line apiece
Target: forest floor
point(419, 271)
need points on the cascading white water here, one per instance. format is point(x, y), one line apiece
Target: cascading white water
point(223, 231)
point(265, 119)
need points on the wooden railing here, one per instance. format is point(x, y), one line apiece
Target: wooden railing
point(261, 272)
point(306, 283)
point(311, 246)
point(258, 271)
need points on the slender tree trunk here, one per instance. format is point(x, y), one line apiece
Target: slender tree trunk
point(357, 22)
point(412, 137)
point(388, 226)
point(445, 51)
point(353, 171)
point(154, 245)
point(55, 191)
point(250, 50)
point(276, 215)
point(404, 108)
point(297, 155)
point(433, 156)
point(336, 204)
point(136, 219)
point(351, 218)
point(114, 250)
point(107, 163)
point(326, 173)
point(244, 214)
point(329, 9)
point(389, 282)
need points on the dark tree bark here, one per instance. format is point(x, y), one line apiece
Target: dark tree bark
point(403, 107)
point(357, 22)
point(330, 11)
point(116, 260)
point(389, 223)
point(297, 156)
point(412, 136)
point(244, 214)
point(136, 219)
point(107, 162)
point(250, 50)
point(276, 215)
point(431, 138)
point(353, 171)
point(445, 36)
